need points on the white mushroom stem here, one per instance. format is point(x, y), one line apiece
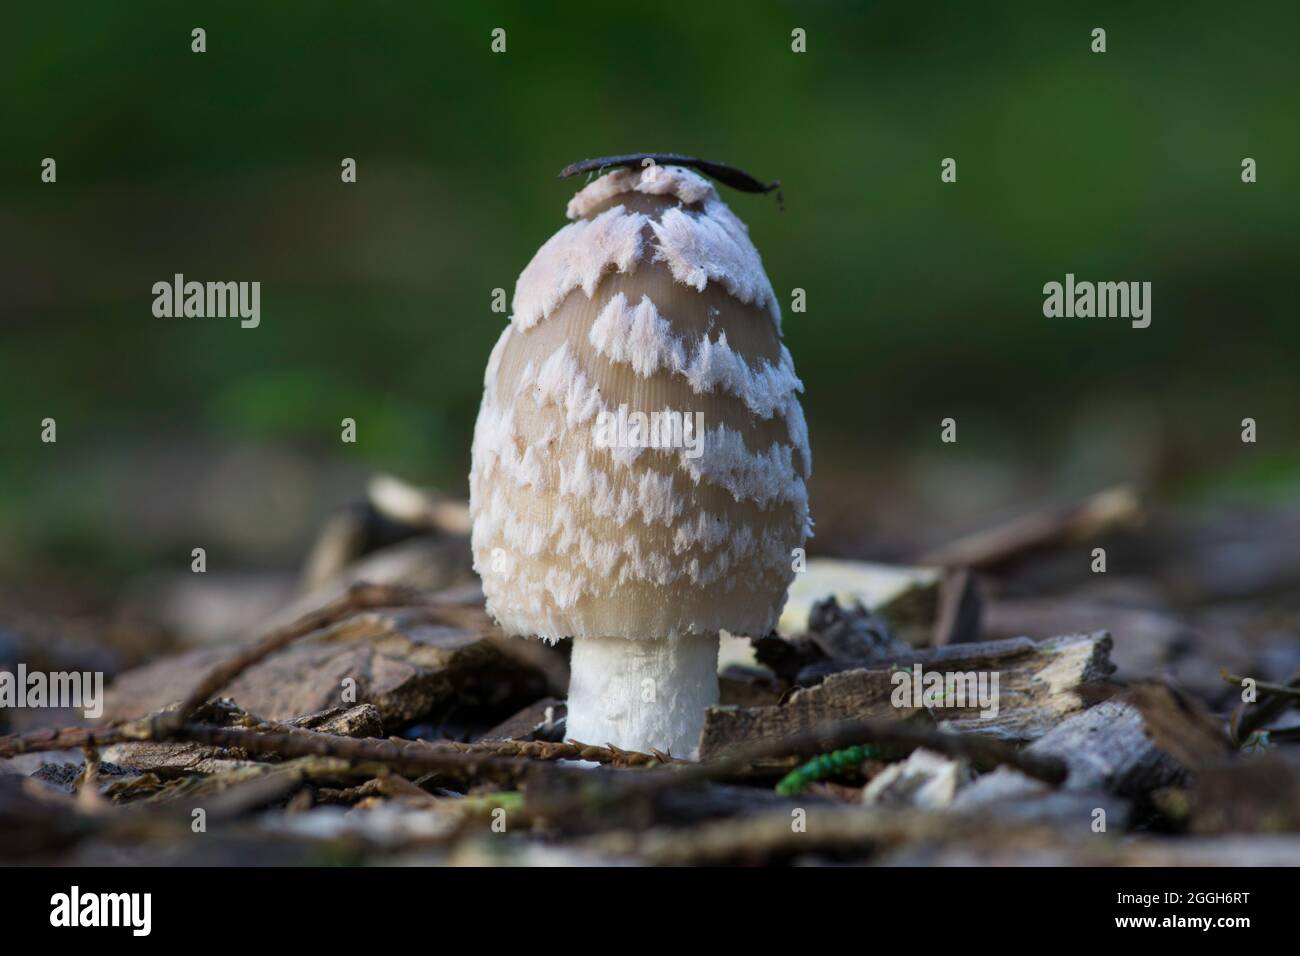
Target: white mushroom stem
point(642, 695)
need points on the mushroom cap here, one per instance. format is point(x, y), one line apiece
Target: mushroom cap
point(652, 300)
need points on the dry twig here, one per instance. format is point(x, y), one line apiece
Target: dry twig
point(1247, 719)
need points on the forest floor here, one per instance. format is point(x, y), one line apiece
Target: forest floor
point(1103, 684)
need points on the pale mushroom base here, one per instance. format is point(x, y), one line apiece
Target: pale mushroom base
point(642, 695)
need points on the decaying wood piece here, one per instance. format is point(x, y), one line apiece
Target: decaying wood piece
point(358, 598)
point(401, 652)
point(1123, 747)
point(851, 695)
point(1039, 684)
point(406, 661)
point(361, 720)
point(1106, 749)
point(173, 758)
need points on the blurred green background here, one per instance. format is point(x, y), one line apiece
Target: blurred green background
point(924, 299)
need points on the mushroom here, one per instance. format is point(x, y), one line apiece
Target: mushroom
point(640, 457)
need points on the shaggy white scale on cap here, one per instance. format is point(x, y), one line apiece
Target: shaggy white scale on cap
point(653, 300)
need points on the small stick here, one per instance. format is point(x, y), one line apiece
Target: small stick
point(70, 738)
point(1247, 719)
point(411, 755)
point(529, 749)
point(1280, 690)
point(569, 750)
point(419, 755)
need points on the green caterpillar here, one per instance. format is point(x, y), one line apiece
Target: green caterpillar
point(824, 766)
